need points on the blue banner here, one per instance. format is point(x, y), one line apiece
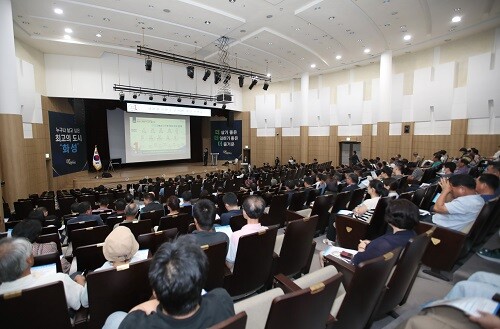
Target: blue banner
point(226, 140)
point(69, 151)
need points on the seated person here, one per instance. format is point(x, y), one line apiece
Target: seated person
point(391, 185)
point(204, 217)
point(46, 216)
point(120, 205)
point(150, 204)
point(186, 198)
point(351, 181)
point(131, 211)
point(103, 205)
point(120, 247)
point(458, 205)
point(85, 214)
point(290, 188)
point(402, 216)
point(479, 284)
point(486, 185)
point(16, 260)
point(416, 173)
point(253, 209)
point(462, 167)
point(230, 201)
point(173, 205)
point(31, 229)
point(376, 190)
point(177, 274)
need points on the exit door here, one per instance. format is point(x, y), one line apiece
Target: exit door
point(346, 151)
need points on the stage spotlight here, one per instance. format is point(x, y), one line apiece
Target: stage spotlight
point(150, 97)
point(179, 99)
point(148, 64)
point(134, 96)
point(266, 85)
point(192, 101)
point(122, 96)
point(164, 98)
point(205, 103)
point(190, 71)
point(240, 80)
point(207, 74)
point(254, 82)
point(227, 79)
point(217, 77)
point(224, 106)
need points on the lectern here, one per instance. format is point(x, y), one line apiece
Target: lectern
point(214, 158)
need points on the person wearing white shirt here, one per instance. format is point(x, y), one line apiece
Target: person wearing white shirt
point(16, 260)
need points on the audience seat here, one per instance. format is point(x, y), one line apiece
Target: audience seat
point(89, 257)
point(341, 201)
point(237, 222)
point(47, 259)
point(53, 237)
point(154, 216)
point(154, 240)
point(238, 321)
point(297, 201)
point(216, 254)
point(89, 235)
point(79, 225)
point(357, 197)
point(180, 222)
point(138, 227)
point(277, 210)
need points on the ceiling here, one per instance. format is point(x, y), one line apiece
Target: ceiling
point(281, 37)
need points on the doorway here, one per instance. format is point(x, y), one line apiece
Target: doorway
point(346, 150)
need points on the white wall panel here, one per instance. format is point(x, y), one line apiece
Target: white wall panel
point(86, 76)
point(442, 127)
point(290, 132)
point(368, 115)
point(483, 84)
point(291, 110)
point(395, 129)
point(459, 106)
point(374, 129)
point(286, 109)
point(58, 75)
point(397, 107)
point(266, 132)
point(354, 130)
point(407, 115)
point(375, 102)
point(319, 131)
point(253, 120)
point(422, 128)
point(29, 100)
point(27, 130)
point(478, 126)
point(334, 117)
point(277, 118)
point(350, 103)
point(265, 108)
point(319, 107)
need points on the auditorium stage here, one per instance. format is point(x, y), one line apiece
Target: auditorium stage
point(129, 175)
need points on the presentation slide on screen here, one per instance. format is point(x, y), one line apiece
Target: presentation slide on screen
point(148, 137)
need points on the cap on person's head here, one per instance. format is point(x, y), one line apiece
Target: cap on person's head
point(120, 245)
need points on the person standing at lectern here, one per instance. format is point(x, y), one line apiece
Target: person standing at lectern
point(205, 156)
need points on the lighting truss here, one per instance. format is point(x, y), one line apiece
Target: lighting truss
point(167, 56)
point(163, 93)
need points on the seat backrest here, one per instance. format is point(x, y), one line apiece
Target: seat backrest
point(481, 221)
point(216, 254)
point(403, 277)
point(239, 321)
point(23, 208)
point(304, 308)
point(490, 225)
point(237, 222)
point(47, 259)
point(407, 195)
point(253, 263)
point(341, 201)
point(48, 230)
point(89, 257)
point(89, 235)
point(364, 290)
point(349, 231)
point(356, 198)
point(378, 225)
point(321, 207)
point(180, 222)
point(154, 216)
point(30, 308)
point(112, 220)
point(117, 289)
point(418, 196)
point(296, 246)
point(138, 227)
point(277, 208)
point(154, 240)
point(297, 201)
point(53, 237)
point(429, 196)
point(88, 197)
point(78, 225)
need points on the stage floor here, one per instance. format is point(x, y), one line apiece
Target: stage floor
point(133, 175)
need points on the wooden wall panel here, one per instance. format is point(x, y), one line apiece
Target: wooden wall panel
point(290, 146)
point(366, 143)
point(304, 146)
point(486, 144)
point(333, 146)
point(382, 140)
point(318, 149)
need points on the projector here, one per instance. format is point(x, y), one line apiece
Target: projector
point(224, 98)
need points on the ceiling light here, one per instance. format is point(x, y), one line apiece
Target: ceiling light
point(268, 75)
point(58, 11)
point(313, 66)
point(208, 22)
point(266, 85)
point(457, 9)
point(122, 96)
point(68, 30)
point(227, 79)
point(217, 77)
point(148, 63)
point(407, 37)
point(150, 97)
point(206, 75)
point(254, 82)
point(179, 99)
point(331, 18)
point(456, 19)
point(67, 37)
point(190, 71)
point(240, 80)
point(338, 57)
point(98, 35)
point(232, 1)
point(367, 50)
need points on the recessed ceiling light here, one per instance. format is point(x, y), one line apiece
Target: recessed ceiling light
point(456, 19)
point(232, 1)
point(367, 50)
point(98, 35)
point(243, 31)
point(58, 11)
point(402, 27)
point(107, 19)
point(447, 40)
point(150, 28)
point(269, 16)
point(317, 8)
point(394, 13)
point(270, 43)
point(67, 37)
point(407, 37)
point(268, 75)
point(297, 29)
point(387, 24)
point(331, 18)
point(187, 36)
point(68, 30)
point(360, 40)
point(313, 66)
point(338, 57)
point(208, 22)
point(457, 9)
point(166, 10)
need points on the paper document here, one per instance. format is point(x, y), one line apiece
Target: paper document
point(469, 305)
